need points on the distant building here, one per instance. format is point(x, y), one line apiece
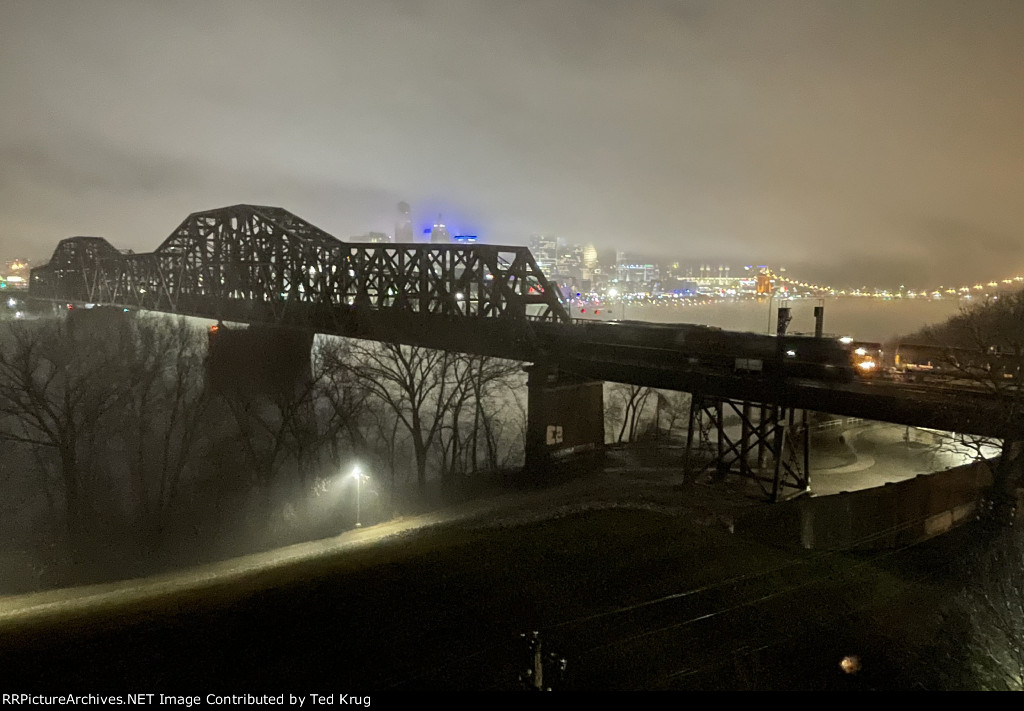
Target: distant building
point(373, 237)
point(628, 270)
point(403, 227)
point(544, 247)
point(545, 250)
point(439, 234)
point(15, 274)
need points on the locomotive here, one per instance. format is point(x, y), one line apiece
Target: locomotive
point(734, 352)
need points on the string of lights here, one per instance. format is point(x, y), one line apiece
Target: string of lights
point(887, 293)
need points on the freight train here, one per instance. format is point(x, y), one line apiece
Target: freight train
point(920, 362)
point(711, 348)
point(866, 357)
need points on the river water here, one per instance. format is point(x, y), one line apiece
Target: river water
point(861, 318)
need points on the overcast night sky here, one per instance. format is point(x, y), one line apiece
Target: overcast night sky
point(861, 142)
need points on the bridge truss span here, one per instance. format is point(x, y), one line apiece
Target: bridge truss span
point(266, 265)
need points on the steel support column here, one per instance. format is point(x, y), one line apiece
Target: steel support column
point(778, 434)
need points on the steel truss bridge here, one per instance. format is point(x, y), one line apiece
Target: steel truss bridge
point(265, 265)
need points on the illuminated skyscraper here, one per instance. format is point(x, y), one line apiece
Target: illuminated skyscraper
point(545, 250)
point(403, 228)
point(439, 234)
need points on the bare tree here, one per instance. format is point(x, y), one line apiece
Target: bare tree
point(494, 384)
point(984, 349)
point(162, 414)
point(983, 344)
point(59, 381)
point(671, 412)
point(417, 386)
point(276, 427)
point(479, 384)
point(342, 401)
point(627, 404)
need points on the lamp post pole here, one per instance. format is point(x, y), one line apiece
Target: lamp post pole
point(359, 490)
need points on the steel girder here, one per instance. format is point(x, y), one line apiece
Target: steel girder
point(264, 264)
point(76, 271)
point(772, 448)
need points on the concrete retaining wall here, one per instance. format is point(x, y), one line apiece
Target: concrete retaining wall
point(883, 517)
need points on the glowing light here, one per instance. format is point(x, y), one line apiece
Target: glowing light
point(846, 340)
point(861, 352)
point(850, 664)
point(866, 365)
point(360, 478)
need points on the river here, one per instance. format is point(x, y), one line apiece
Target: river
point(861, 318)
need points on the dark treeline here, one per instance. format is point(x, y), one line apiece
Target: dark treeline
point(120, 458)
point(995, 325)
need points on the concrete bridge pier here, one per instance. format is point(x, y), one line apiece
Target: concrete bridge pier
point(565, 416)
point(258, 360)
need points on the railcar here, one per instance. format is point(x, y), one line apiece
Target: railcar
point(713, 348)
point(752, 353)
point(922, 362)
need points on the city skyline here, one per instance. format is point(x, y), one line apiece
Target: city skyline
point(872, 140)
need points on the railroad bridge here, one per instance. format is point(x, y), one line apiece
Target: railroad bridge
point(266, 267)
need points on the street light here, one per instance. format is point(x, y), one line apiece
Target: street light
point(358, 476)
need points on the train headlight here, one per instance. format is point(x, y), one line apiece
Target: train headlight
point(866, 365)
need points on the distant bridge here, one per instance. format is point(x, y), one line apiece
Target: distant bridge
point(265, 265)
